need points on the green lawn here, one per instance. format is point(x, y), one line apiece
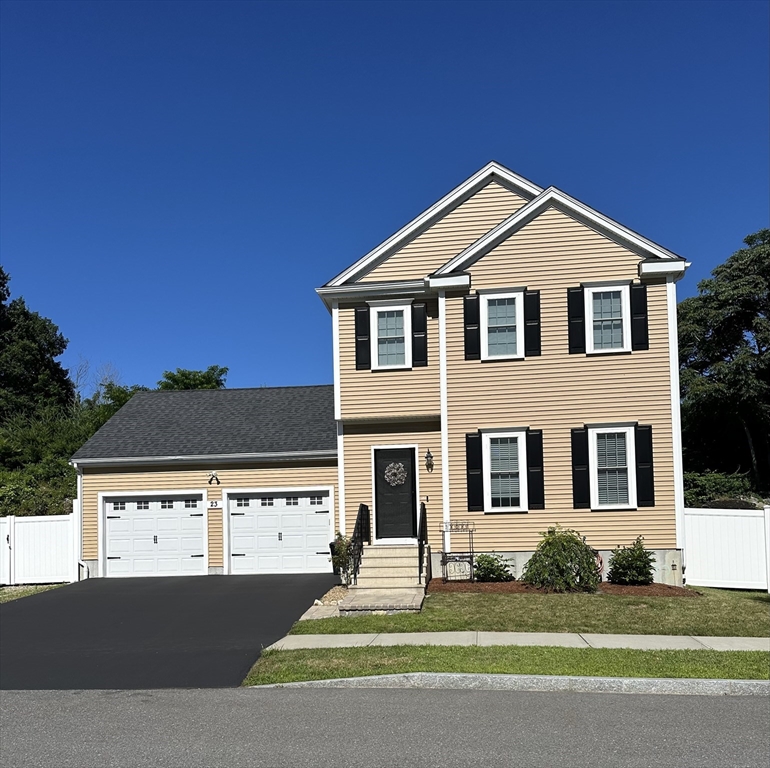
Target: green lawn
point(322, 664)
point(716, 612)
point(14, 593)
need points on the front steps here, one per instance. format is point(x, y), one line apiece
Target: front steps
point(388, 582)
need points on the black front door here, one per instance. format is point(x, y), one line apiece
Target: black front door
point(395, 490)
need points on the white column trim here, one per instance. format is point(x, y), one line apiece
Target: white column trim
point(446, 515)
point(676, 416)
point(341, 476)
point(336, 356)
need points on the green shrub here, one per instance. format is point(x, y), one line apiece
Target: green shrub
point(631, 565)
point(342, 557)
point(702, 490)
point(562, 562)
point(491, 568)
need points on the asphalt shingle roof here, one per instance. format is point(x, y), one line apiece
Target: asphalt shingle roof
point(224, 421)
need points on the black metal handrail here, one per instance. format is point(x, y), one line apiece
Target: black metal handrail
point(422, 540)
point(362, 532)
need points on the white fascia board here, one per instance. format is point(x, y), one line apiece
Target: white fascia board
point(654, 268)
point(371, 291)
point(571, 206)
point(436, 282)
point(490, 172)
point(203, 458)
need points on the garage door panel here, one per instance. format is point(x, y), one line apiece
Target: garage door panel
point(284, 537)
point(154, 537)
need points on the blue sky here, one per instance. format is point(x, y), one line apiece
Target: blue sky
point(177, 177)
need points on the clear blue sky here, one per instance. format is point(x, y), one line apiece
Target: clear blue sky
point(177, 177)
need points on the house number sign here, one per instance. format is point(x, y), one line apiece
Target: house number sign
point(395, 474)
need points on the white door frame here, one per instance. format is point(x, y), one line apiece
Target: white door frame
point(101, 521)
point(410, 540)
point(277, 491)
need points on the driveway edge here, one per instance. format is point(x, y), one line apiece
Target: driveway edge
point(455, 681)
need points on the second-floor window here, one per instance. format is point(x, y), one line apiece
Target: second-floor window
point(608, 319)
point(502, 325)
point(391, 335)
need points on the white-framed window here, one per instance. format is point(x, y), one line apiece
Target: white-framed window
point(119, 506)
point(608, 318)
point(316, 501)
point(142, 504)
point(505, 470)
point(166, 503)
point(612, 467)
point(243, 501)
point(391, 335)
point(266, 501)
point(502, 325)
point(191, 504)
point(292, 501)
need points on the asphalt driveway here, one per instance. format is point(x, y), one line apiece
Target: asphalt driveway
point(178, 632)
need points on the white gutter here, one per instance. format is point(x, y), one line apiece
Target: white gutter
point(205, 458)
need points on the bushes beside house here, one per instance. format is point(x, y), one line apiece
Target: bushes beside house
point(562, 562)
point(631, 565)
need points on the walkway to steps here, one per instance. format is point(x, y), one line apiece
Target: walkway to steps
point(553, 639)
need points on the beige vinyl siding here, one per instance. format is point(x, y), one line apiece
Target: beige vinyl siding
point(449, 236)
point(358, 442)
point(276, 475)
point(365, 394)
point(558, 391)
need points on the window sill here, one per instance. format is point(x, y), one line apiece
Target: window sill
point(600, 352)
point(614, 508)
point(507, 512)
point(391, 368)
point(502, 359)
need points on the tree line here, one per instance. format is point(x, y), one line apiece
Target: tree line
point(724, 346)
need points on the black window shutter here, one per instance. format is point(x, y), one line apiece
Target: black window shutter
point(535, 484)
point(581, 485)
point(639, 334)
point(531, 323)
point(363, 347)
point(472, 329)
point(576, 312)
point(419, 335)
point(473, 462)
point(645, 485)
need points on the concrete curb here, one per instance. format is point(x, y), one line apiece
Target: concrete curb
point(456, 681)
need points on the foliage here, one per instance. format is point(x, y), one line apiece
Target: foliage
point(30, 376)
point(724, 344)
point(491, 568)
point(562, 562)
point(212, 378)
point(342, 557)
point(708, 488)
point(631, 565)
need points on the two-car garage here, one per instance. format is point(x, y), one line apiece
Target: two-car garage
point(264, 531)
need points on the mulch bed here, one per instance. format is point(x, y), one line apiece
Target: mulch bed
point(519, 588)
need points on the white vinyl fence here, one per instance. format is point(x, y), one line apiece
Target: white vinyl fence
point(38, 550)
point(728, 548)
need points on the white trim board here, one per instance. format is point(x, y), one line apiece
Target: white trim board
point(490, 172)
point(553, 197)
point(278, 491)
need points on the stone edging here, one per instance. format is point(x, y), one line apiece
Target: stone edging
point(456, 681)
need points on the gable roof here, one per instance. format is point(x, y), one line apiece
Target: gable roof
point(553, 197)
point(210, 424)
point(489, 173)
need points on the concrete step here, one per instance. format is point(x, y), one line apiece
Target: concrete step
point(376, 553)
point(389, 562)
point(386, 582)
point(389, 571)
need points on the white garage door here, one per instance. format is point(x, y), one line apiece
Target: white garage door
point(280, 533)
point(155, 536)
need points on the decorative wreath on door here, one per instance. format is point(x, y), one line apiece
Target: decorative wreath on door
point(395, 474)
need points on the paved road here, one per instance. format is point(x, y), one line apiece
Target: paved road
point(378, 729)
point(192, 631)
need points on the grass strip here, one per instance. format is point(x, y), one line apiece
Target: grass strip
point(327, 663)
point(716, 612)
point(14, 593)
